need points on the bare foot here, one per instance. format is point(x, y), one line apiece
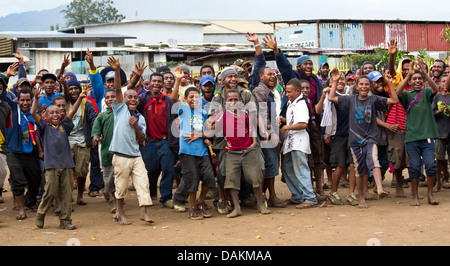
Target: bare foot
point(432, 201)
point(121, 219)
point(145, 218)
point(235, 213)
point(415, 202)
point(262, 209)
point(382, 194)
point(362, 204)
point(399, 193)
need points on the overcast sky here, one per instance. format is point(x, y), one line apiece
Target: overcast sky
point(267, 10)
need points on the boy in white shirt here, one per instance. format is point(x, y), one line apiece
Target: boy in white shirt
point(296, 148)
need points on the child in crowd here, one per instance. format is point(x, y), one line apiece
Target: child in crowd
point(441, 103)
point(421, 128)
point(58, 161)
point(296, 147)
point(102, 132)
point(363, 133)
point(241, 154)
point(194, 158)
point(340, 154)
point(128, 135)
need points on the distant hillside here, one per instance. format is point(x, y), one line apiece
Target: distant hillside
point(33, 20)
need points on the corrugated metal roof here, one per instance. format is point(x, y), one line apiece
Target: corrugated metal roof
point(397, 31)
point(330, 35)
point(238, 27)
point(59, 35)
point(435, 42)
point(353, 35)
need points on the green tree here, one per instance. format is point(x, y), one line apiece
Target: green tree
point(380, 57)
point(84, 12)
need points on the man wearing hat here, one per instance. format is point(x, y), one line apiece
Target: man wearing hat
point(304, 71)
point(324, 70)
point(207, 86)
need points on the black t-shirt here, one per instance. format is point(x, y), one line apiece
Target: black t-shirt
point(5, 122)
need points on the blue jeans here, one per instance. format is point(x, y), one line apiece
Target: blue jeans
point(418, 150)
point(158, 157)
point(297, 176)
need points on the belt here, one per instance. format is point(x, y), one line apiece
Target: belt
point(155, 140)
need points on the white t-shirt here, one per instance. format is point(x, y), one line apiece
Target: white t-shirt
point(298, 140)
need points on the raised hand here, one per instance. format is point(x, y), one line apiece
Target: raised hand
point(421, 66)
point(178, 73)
point(270, 41)
point(252, 37)
point(89, 57)
point(19, 56)
point(11, 71)
point(392, 47)
point(66, 61)
point(140, 68)
point(335, 74)
point(114, 62)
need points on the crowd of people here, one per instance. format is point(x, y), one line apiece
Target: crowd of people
point(224, 135)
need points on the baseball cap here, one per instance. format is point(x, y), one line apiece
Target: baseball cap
point(21, 81)
point(351, 77)
point(207, 78)
point(375, 75)
point(109, 75)
point(48, 76)
point(323, 64)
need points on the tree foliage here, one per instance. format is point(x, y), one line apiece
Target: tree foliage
point(84, 12)
point(380, 57)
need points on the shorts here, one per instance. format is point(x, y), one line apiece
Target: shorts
point(340, 154)
point(195, 169)
point(442, 146)
point(383, 157)
point(134, 168)
point(315, 140)
point(240, 163)
point(396, 150)
point(81, 158)
point(420, 153)
point(108, 179)
point(271, 162)
point(365, 158)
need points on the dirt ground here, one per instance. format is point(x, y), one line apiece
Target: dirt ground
point(387, 222)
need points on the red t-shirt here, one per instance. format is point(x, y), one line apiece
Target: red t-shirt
point(397, 114)
point(156, 118)
point(236, 130)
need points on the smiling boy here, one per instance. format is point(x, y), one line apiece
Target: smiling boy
point(363, 133)
point(128, 135)
point(421, 128)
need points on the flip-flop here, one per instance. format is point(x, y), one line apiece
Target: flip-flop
point(21, 217)
point(278, 204)
point(306, 205)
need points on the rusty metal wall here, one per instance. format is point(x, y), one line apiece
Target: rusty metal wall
point(374, 35)
point(435, 42)
point(397, 31)
point(330, 35)
point(417, 36)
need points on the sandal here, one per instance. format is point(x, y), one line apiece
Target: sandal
point(352, 199)
point(205, 209)
point(306, 205)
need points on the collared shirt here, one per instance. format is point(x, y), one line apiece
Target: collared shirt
point(297, 112)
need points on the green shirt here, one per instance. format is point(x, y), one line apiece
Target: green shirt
point(104, 126)
point(420, 123)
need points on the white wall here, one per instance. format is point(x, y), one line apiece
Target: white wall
point(152, 32)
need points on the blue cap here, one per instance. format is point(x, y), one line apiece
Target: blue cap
point(207, 78)
point(302, 59)
point(374, 75)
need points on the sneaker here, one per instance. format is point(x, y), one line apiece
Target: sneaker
point(335, 199)
point(352, 199)
point(67, 225)
point(195, 214)
point(205, 209)
point(168, 204)
point(222, 207)
point(179, 208)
